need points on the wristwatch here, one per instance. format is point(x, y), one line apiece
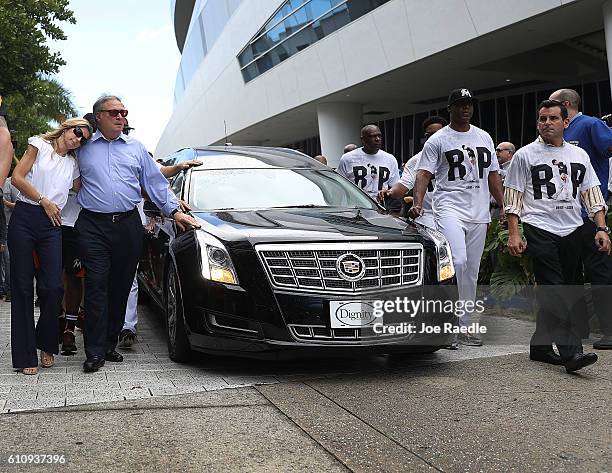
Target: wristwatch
point(179, 210)
point(604, 229)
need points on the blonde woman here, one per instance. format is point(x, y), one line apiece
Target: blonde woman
point(45, 174)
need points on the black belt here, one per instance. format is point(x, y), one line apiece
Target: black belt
point(113, 217)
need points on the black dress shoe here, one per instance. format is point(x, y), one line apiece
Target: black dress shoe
point(604, 343)
point(113, 356)
point(579, 361)
point(93, 364)
point(548, 356)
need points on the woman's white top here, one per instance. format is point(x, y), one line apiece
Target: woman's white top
point(51, 174)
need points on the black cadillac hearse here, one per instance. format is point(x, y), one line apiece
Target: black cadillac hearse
point(290, 258)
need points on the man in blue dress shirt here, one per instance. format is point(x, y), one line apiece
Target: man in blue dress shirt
point(113, 167)
point(593, 136)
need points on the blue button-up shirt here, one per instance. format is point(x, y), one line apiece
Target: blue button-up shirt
point(112, 173)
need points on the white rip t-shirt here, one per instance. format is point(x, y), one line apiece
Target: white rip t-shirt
point(408, 180)
point(371, 172)
point(51, 174)
point(461, 163)
point(551, 179)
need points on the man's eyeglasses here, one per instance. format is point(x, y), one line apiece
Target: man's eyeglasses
point(78, 132)
point(499, 150)
point(114, 113)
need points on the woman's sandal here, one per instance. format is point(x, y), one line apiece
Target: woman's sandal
point(46, 359)
point(30, 371)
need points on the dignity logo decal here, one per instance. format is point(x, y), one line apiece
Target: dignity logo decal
point(351, 314)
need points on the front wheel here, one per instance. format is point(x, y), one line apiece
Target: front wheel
point(179, 349)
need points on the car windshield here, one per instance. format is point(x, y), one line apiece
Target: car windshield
point(237, 189)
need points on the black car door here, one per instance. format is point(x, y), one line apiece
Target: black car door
point(163, 230)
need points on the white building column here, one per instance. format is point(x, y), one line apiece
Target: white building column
point(339, 124)
point(607, 17)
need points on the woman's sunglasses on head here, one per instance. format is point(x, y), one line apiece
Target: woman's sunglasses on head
point(114, 113)
point(78, 132)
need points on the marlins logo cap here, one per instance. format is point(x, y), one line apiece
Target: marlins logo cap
point(461, 94)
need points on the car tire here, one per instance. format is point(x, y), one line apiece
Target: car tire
point(179, 349)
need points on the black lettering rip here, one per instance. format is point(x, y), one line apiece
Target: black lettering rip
point(359, 174)
point(383, 176)
point(578, 173)
point(541, 175)
point(455, 161)
point(484, 160)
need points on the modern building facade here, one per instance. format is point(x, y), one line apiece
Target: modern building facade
point(309, 73)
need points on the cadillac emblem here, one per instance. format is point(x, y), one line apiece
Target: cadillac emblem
point(350, 267)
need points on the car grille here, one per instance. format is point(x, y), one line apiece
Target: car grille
point(323, 333)
point(313, 268)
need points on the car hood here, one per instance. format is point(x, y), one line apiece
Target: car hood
point(296, 225)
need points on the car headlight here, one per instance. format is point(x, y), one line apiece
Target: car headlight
point(216, 262)
point(446, 268)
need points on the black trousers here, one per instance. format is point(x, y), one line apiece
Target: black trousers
point(110, 250)
point(30, 229)
point(555, 261)
point(597, 271)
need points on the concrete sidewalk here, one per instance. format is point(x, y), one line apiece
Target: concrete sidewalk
point(488, 414)
point(147, 372)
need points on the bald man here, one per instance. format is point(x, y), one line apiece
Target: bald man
point(592, 135)
point(369, 167)
point(504, 151)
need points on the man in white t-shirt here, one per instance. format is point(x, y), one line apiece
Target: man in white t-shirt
point(551, 221)
point(461, 157)
point(369, 167)
point(408, 178)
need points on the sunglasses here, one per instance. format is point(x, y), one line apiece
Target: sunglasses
point(114, 113)
point(499, 150)
point(78, 132)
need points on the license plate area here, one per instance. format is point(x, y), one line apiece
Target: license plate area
point(352, 314)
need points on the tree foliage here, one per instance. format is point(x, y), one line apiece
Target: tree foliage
point(49, 102)
point(25, 28)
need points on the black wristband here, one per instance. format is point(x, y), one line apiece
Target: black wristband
point(175, 211)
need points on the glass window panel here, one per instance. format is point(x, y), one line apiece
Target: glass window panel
point(296, 32)
point(515, 110)
point(487, 116)
point(529, 120)
point(590, 103)
point(316, 8)
point(331, 22)
point(501, 131)
point(605, 97)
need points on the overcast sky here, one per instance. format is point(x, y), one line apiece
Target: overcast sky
point(125, 48)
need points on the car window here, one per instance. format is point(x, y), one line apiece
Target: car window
point(177, 184)
point(267, 188)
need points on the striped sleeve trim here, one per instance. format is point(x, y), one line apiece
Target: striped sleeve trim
point(513, 201)
point(593, 201)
